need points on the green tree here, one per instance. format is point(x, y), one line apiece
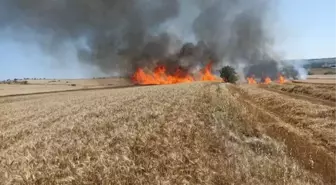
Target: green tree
point(229, 74)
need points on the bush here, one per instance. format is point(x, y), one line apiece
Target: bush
point(228, 74)
point(310, 73)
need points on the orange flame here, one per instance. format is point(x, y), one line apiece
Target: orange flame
point(281, 79)
point(159, 76)
point(267, 80)
point(206, 73)
point(251, 80)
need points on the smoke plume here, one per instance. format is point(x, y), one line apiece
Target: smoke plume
point(122, 35)
point(295, 69)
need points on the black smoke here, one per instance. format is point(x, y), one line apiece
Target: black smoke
point(122, 35)
point(262, 70)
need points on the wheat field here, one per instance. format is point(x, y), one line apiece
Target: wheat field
point(59, 85)
point(321, 91)
point(195, 133)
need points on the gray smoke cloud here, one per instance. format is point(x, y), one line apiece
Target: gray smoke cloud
point(122, 35)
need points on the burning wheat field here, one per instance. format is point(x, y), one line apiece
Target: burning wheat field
point(189, 133)
point(199, 97)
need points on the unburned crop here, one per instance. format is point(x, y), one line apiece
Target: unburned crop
point(171, 134)
point(326, 92)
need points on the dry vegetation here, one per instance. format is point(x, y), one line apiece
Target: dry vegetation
point(12, 89)
point(83, 82)
point(307, 128)
point(321, 91)
point(319, 79)
point(316, 121)
point(322, 71)
point(198, 133)
point(40, 86)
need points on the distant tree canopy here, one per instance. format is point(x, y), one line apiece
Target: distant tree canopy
point(229, 74)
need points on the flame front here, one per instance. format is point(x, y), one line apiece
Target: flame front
point(281, 79)
point(206, 73)
point(267, 80)
point(251, 80)
point(160, 76)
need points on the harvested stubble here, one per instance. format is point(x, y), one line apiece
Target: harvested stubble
point(307, 129)
point(326, 92)
point(314, 120)
point(317, 120)
point(13, 89)
point(169, 134)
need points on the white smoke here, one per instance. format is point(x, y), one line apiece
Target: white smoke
point(298, 66)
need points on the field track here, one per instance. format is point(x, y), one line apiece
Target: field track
point(316, 82)
point(197, 133)
point(70, 90)
point(301, 96)
point(313, 92)
point(297, 138)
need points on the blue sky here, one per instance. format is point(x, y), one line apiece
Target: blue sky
point(305, 29)
point(309, 28)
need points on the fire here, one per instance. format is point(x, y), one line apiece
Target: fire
point(160, 76)
point(267, 80)
point(251, 80)
point(206, 73)
point(281, 79)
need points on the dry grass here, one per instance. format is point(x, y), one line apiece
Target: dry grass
point(318, 79)
point(318, 121)
point(41, 86)
point(321, 71)
point(169, 134)
point(331, 81)
point(325, 92)
point(83, 82)
point(11, 89)
point(277, 115)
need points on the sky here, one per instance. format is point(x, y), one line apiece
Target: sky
point(304, 29)
point(309, 28)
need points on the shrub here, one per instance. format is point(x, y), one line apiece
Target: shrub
point(310, 73)
point(228, 74)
